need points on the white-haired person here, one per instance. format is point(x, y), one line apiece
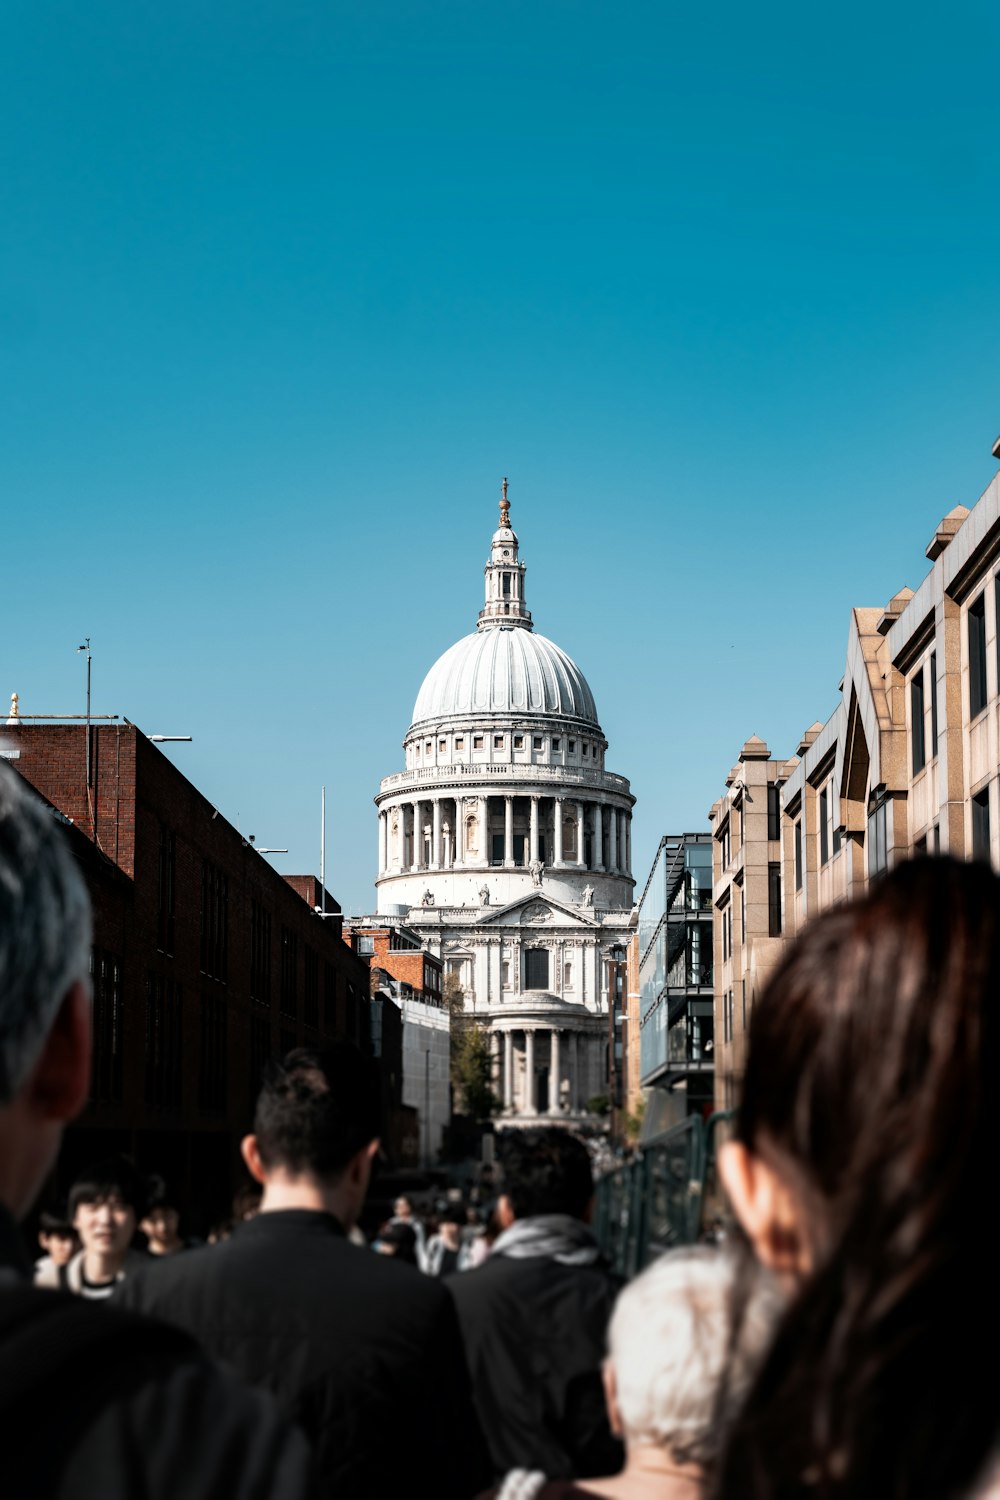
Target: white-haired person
point(674, 1372)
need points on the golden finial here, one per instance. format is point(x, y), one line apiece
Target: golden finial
point(504, 503)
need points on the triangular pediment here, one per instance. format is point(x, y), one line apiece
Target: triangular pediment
point(534, 910)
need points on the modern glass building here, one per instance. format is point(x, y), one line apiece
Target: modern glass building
point(676, 995)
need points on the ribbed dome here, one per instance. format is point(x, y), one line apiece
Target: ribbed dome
point(503, 671)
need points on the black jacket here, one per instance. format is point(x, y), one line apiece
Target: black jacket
point(94, 1401)
point(362, 1352)
point(534, 1333)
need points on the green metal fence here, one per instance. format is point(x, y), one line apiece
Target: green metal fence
point(664, 1197)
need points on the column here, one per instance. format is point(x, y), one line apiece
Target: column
point(416, 837)
point(529, 1073)
point(533, 830)
point(628, 843)
point(459, 831)
point(554, 1073)
point(574, 1072)
point(484, 832)
point(581, 848)
point(383, 826)
point(557, 831)
point(508, 1068)
point(622, 844)
point(612, 839)
point(436, 834)
point(598, 862)
point(508, 830)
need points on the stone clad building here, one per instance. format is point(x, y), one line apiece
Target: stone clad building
point(507, 844)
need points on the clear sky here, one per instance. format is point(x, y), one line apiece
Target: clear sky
point(286, 286)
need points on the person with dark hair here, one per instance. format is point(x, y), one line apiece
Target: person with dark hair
point(446, 1250)
point(355, 1348)
point(161, 1223)
point(124, 1406)
point(398, 1240)
point(867, 1135)
point(534, 1316)
point(58, 1240)
point(105, 1203)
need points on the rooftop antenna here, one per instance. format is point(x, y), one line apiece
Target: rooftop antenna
point(90, 799)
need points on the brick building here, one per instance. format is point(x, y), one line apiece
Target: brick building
point(206, 962)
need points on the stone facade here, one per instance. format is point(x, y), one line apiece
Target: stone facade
point(907, 764)
point(507, 844)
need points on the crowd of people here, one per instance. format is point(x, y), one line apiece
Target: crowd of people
point(823, 1351)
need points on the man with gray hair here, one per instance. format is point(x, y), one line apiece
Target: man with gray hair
point(127, 1406)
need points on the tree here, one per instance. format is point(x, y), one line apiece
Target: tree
point(471, 1061)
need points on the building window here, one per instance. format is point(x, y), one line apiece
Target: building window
point(506, 585)
point(536, 743)
point(288, 996)
point(934, 707)
point(877, 852)
point(725, 842)
point(774, 900)
point(773, 810)
point(977, 656)
point(567, 975)
point(505, 973)
point(824, 827)
point(460, 742)
point(163, 1043)
point(442, 745)
point(981, 825)
point(571, 744)
point(366, 944)
point(214, 922)
point(798, 855)
point(106, 1021)
point(213, 1065)
point(536, 969)
point(498, 742)
point(917, 753)
point(477, 742)
point(557, 744)
point(166, 890)
point(260, 953)
point(519, 742)
point(310, 988)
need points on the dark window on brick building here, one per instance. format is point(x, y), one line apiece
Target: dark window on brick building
point(288, 999)
point(536, 969)
point(773, 810)
point(164, 1042)
point(260, 953)
point(330, 1017)
point(106, 1067)
point(310, 989)
point(213, 1062)
point(166, 890)
point(260, 1056)
point(214, 922)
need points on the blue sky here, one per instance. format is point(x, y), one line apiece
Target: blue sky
point(285, 288)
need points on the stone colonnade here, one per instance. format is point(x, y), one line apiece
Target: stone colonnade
point(527, 1058)
point(442, 832)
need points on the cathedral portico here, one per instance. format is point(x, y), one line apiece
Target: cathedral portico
point(507, 843)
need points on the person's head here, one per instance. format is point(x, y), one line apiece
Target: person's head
point(402, 1208)
point(671, 1349)
point(869, 1123)
point(44, 991)
point(398, 1239)
point(161, 1224)
point(105, 1204)
point(57, 1236)
point(544, 1171)
point(317, 1124)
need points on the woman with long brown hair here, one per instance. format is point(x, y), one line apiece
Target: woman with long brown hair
point(862, 1170)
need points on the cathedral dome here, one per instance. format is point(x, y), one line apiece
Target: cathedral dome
point(504, 670)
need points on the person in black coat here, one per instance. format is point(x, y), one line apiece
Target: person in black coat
point(534, 1317)
point(363, 1354)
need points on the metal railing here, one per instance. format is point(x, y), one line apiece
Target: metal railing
point(659, 1199)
